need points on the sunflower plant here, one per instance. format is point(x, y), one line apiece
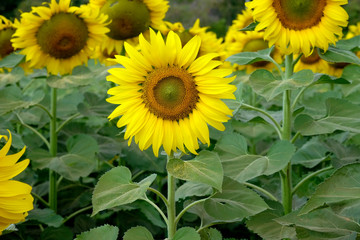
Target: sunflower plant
point(141, 128)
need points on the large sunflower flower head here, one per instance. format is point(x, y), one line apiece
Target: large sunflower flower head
point(129, 18)
point(58, 36)
point(298, 26)
point(167, 95)
point(16, 199)
point(7, 29)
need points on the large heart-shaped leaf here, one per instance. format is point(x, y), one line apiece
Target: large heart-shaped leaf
point(138, 233)
point(115, 188)
point(104, 232)
point(205, 168)
point(234, 202)
point(241, 166)
point(343, 185)
point(341, 115)
point(265, 84)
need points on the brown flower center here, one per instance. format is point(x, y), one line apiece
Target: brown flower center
point(5, 44)
point(299, 14)
point(313, 58)
point(128, 18)
point(170, 93)
point(63, 36)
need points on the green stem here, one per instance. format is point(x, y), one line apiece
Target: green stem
point(171, 211)
point(43, 108)
point(34, 131)
point(160, 195)
point(76, 213)
point(53, 152)
point(310, 176)
point(296, 60)
point(40, 199)
point(276, 124)
point(158, 209)
point(297, 135)
point(263, 191)
point(286, 183)
point(187, 208)
point(66, 121)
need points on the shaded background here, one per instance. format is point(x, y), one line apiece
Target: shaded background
point(218, 14)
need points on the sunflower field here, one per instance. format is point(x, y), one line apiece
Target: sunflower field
point(179, 119)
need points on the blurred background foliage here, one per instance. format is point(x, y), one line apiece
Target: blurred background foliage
point(218, 14)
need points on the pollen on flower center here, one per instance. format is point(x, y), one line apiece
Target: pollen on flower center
point(62, 36)
point(299, 14)
point(128, 18)
point(170, 93)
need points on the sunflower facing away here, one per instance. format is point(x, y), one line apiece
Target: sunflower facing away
point(297, 26)
point(15, 197)
point(129, 18)
point(167, 95)
point(58, 36)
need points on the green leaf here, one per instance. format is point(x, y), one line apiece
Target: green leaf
point(349, 44)
point(12, 98)
point(61, 233)
point(339, 56)
point(11, 61)
point(115, 188)
point(186, 233)
point(264, 225)
point(323, 78)
point(241, 166)
point(138, 233)
point(265, 84)
point(234, 202)
point(250, 27)
point(46, 216)
point(343, 185)
point(310, 154)
point(352, 74)
point(245, 58)
point(104, 232)
point(322, 220)
point(210, 234)
point(80, 161)
point(344, 154)
point(150, 213)
point(341, 115)
point(80, 76)
point(72, 166)
point(205, 168)
point(306, 234)
point(12, 77)
point(190, 189)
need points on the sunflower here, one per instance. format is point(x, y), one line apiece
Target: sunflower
point(6, 31)
point(58, 36)
point(15, 197)
point(209, 41)
point(313, 62)
point(168, 95)
point(242, 20)
point(298, 26)
point(129, 18)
